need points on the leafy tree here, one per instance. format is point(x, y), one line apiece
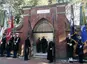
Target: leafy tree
point(16, 5)
point(1, 17)
point(17, 18)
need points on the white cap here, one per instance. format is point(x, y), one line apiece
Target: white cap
point(69, 35)
point(80, 37)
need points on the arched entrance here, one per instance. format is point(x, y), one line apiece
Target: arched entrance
point(42, 28)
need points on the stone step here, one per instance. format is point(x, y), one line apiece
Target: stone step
point(41, 55)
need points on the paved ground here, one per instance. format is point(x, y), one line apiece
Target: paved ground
point(5, 60)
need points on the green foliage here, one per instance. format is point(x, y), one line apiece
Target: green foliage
point(38, 2)
point(18, 4)
point(34, 2)
point(17, 18)
point(1, 17)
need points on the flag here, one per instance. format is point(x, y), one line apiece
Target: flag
point(83, 26)
point(10, 21)
point(3, 28)
point(83, 33)
point(5, 21)
point(12, 24)
point(10, 27)
point(8, 33)
point(71, 27)
point(1, 33)
point(72, 21)
point(73, 34)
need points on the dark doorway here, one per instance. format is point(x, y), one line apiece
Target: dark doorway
point(42, 29)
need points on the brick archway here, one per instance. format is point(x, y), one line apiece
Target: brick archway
point(44, 25)
point(42, 28)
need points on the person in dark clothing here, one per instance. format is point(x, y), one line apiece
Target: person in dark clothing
point(50, 52)
point(16, 45)
point(44, 44)
point(10, 46)
point(70, 47)
point(12, 41)
point(38, 45)
point(80, 50)
point(3, 45)
point(26, 48)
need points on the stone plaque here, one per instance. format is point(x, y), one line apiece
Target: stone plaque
point(43, 11)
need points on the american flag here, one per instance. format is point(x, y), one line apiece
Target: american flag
point(10, 26)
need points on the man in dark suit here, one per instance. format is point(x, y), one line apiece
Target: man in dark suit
point(3, 45)
point(80, 50)
point(12, 41)
point(16, 45)
point(8, 48)
point(10, 45)
point(70, 47)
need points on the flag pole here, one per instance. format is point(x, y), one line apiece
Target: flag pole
point(72, 18)
point(53, 20)
point(81, 21)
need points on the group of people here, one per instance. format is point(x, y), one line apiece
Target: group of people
point(71, 42)
point(6, 47)
point(11, 47)
point(41, 45)
point(46, 47)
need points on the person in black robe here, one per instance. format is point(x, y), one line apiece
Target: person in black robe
point(70, 47)
point(3, 45)
point(50, 52)
point(80, 50)
point(38, 45)
point(16, 46)
point(44, 44)
point(27, 48)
